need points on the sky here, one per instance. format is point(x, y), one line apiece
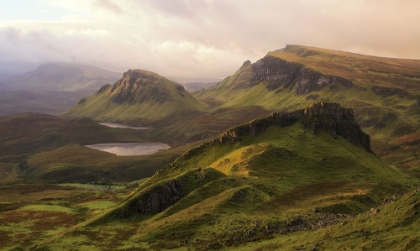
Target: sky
point(197, 38)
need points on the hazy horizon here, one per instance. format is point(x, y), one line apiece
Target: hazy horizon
point(186, 38)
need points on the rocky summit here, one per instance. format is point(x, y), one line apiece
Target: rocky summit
point(138, 96)
point(143, 86)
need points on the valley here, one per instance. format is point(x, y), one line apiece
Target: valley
point(304, 149)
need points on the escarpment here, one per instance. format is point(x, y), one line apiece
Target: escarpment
point(319, 117)
point(328, 117)
point(281, 73)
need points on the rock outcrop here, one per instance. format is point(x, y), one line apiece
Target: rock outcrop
point(156, 200)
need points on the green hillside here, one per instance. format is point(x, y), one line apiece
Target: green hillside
point(258, 185)
point(384, 93)
point(139, 96)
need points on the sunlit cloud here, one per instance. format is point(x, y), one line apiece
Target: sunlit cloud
point(208, 38)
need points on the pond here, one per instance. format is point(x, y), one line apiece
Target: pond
point(130, 149)
point(115, 125)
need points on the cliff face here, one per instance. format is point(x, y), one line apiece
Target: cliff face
point(328, 117)
point(155, 201)
point(280, 73)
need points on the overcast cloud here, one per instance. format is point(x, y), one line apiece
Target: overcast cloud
point(200, 38)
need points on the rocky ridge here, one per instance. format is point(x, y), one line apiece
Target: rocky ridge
point(327, 117)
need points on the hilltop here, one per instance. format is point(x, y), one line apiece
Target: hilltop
point(275, 177)
point(138, 96)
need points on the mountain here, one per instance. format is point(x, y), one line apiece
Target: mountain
point(51, 88)
point(61, 77)
point(138, 96)
point(287, 175)
point(384, 93)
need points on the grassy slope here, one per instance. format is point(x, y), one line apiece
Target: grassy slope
point(384, 117)
point(35, 212)
point(232, 191)
point(394, 226)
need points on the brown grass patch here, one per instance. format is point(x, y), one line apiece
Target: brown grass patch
point(5, 238)
point(41, 220)
point(406, 139)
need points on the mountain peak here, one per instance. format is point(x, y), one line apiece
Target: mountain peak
point(137, 73)
point(139, 94)
point(245, 64)
point(142, 86)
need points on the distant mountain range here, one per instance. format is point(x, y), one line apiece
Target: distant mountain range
point(51, 88)
point(61, 77)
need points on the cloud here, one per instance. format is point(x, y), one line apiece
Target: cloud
point(109, 5)
point(209, 38)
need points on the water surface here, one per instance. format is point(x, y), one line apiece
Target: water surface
point(115, 125)
point(129, 149)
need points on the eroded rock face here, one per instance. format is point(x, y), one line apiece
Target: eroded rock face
point(155, 201)
point(140, 86)
point(328, 117)
point(280, 73)
point(161, 198)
